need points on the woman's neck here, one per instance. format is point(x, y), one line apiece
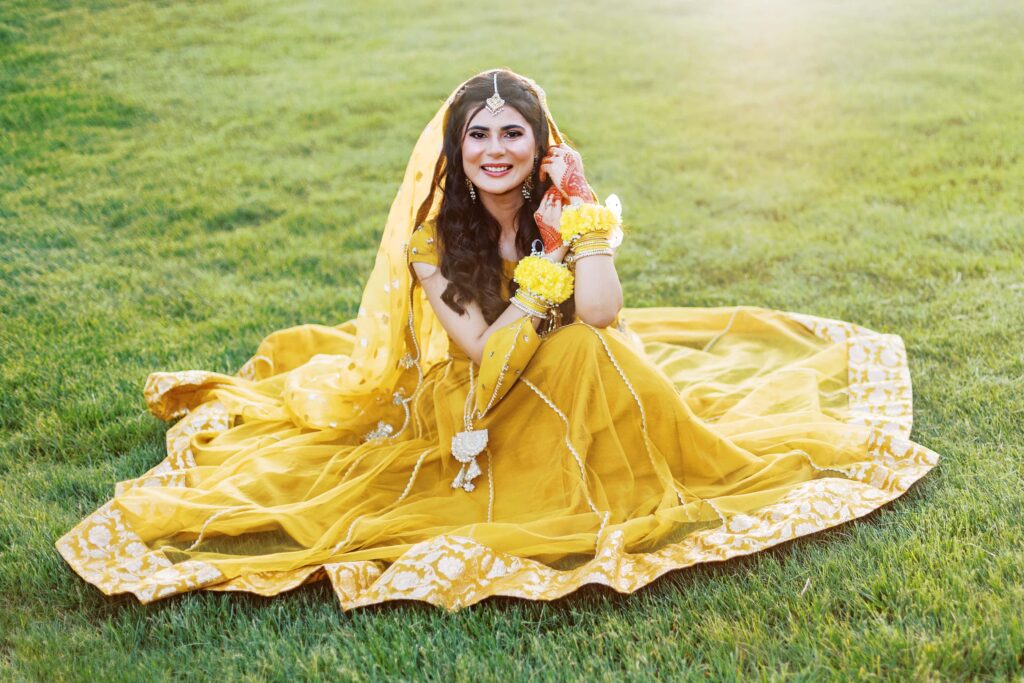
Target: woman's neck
point(504, 208)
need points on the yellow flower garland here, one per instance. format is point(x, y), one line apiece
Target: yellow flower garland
point(583, 218)
point(543, 278)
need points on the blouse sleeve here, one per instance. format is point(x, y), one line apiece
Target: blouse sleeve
point(506, 355)
point(423, 244)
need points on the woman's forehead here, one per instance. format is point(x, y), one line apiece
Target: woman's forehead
point(508, 116)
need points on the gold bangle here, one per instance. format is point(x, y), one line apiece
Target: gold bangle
point(584, 237)
point(573, 256)
point(529, 303)
point(583, 245)
point(594, 252)
point(590, 246)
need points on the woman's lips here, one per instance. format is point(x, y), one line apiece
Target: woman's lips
point(496, 174)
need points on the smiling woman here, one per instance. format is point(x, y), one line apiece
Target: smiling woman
point(446, 446)
point(503, 151)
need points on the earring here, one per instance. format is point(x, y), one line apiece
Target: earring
point(528, 183)
point(472, 190)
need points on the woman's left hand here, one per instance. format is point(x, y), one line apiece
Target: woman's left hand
point(564, 166)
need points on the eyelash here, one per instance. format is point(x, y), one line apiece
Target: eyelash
point(476, 134)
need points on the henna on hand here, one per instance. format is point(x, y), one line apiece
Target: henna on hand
point(548, 216)
point(565, 167)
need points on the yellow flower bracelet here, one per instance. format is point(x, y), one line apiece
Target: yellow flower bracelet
point(543, 284)
point(582, 219)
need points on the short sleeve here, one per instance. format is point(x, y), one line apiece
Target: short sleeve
point(423, 244)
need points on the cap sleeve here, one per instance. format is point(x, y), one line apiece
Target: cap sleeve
point(423, 244)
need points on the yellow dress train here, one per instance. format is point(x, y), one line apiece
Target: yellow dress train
point(614, 455)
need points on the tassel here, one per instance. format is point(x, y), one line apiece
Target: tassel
point(465, 447)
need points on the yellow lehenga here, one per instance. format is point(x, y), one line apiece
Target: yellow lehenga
point(673, 437)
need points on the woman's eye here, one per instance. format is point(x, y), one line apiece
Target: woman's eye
point(478, 135)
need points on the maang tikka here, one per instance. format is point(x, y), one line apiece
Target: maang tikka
point(494, 103)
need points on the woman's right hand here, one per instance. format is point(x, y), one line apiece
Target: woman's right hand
point(549, 216)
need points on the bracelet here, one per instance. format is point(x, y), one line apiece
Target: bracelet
point(587, 239)
point(543, 284)
point(528, 302)
point(575, 256)
point(594, 252)
point(585, 219)
point(587, 242)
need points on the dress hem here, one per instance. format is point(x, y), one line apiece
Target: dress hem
point(452, 571)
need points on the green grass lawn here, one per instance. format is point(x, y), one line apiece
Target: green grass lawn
point(178, 180)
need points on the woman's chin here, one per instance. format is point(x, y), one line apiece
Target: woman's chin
point(499, 189)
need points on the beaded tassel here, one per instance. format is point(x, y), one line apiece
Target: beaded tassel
point(468, 444)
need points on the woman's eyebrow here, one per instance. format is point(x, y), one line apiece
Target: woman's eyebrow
point(485, 128)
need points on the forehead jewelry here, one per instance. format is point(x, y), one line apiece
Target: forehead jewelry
point(494, 102)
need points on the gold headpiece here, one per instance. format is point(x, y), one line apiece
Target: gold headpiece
point(494, 103)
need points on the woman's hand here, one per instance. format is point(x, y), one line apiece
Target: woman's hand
point(564, 166)
point(557, 255)
point(548, 216)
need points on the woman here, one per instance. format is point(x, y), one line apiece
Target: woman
point(477, 431)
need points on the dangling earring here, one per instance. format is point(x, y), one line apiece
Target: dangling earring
point(528, 183)
point(472, 190)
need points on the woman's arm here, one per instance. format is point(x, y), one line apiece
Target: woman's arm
point(469, 330)
point(598, 291)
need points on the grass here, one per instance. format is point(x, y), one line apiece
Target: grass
point(177, 180)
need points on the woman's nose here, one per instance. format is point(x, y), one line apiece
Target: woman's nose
point(495, 147)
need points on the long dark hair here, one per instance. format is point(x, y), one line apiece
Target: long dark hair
point(467, 233)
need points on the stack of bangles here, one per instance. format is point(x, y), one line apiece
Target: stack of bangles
point(588, 229)
point(590, 244)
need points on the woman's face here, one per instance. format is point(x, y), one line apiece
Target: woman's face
point(498, 151)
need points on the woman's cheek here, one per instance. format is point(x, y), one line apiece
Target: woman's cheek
point(470, 150)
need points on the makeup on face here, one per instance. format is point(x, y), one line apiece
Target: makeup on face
point(498, 151)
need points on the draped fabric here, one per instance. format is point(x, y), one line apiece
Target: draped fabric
point(673, 437)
